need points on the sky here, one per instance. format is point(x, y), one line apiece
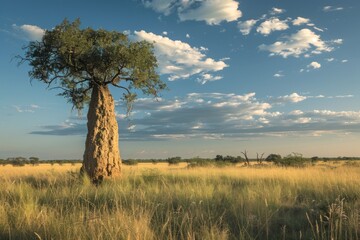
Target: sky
point(265, 76)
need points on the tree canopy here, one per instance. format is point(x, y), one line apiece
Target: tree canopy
point(75, 60)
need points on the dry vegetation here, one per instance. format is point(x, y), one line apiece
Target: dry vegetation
point(158, 201)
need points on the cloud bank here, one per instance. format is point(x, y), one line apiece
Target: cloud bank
point(221, 116)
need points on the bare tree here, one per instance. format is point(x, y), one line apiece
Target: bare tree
point(259, 159)
point(247, 162)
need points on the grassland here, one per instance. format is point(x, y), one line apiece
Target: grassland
point(157, 201)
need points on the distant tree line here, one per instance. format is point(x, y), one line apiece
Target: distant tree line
point(294, 159)
point(22, 161)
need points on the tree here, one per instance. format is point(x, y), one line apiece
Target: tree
point(219, 158)
point(83, 63)
point(273, 158)
point(247, 161)
point(259, 159)
point(34, 160)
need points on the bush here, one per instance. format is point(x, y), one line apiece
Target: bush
point(34, 160)
point(292, 160)
point(130, 162)
point(231, 159)
point(174, 160)
point(315, 159)
point(201, 163)
point(273, 158)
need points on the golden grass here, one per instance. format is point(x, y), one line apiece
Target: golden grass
point(161, 201)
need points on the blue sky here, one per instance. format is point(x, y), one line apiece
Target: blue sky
point(263, 76)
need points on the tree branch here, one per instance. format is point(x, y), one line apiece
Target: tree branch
point(115, 85)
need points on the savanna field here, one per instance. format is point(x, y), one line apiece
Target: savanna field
point(161, 201)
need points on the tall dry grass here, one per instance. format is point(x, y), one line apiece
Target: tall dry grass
point(175, 202)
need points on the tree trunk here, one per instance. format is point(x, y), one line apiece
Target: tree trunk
point(102, 155)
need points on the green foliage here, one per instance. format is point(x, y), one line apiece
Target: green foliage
point(292, 160)
point(273, 158)
point(75, 60)
point(174, 160)
point(34, 160)
point(228, 158)
point(130, 162)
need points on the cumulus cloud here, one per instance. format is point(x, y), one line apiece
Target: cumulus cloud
point(275, 11)
point(29, 32)
point(246, 26)
point(304, 42)
point(213, 12)
point(179, 60)
point(300, 20)
point(314, 65)
point(270, 25)
point(292, 98)
point(332, 9)
point(338, 41)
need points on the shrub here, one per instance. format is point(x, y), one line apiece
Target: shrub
point(130, 162)
point(174, 160)
point(201, 163)
point(273, 158)
point(292, 160)
point(228, 158)
point(34, 160)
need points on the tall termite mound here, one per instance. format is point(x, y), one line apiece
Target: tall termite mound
point(102, 155)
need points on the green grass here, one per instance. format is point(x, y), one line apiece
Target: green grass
point(318, 202)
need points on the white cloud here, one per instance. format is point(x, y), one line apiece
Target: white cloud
point(26, 108)
point(300, 20)
point(213, 12)
point(318, 29)
point(178, 59)
point(332, 9)
point(345, 96)
point(338, 41)
point(330, 59)
point(296, 112)
point(29, 32)
point(187, 35)
point(278, 75)
point(314, 65)
point(246, 26)
point(303, 42)
point(275, 11)
point(302, 120)
point(165, 33)
point(344, 61)
point(272, 24)
point(292, 98)
point(206, 77)
point(161, 6)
